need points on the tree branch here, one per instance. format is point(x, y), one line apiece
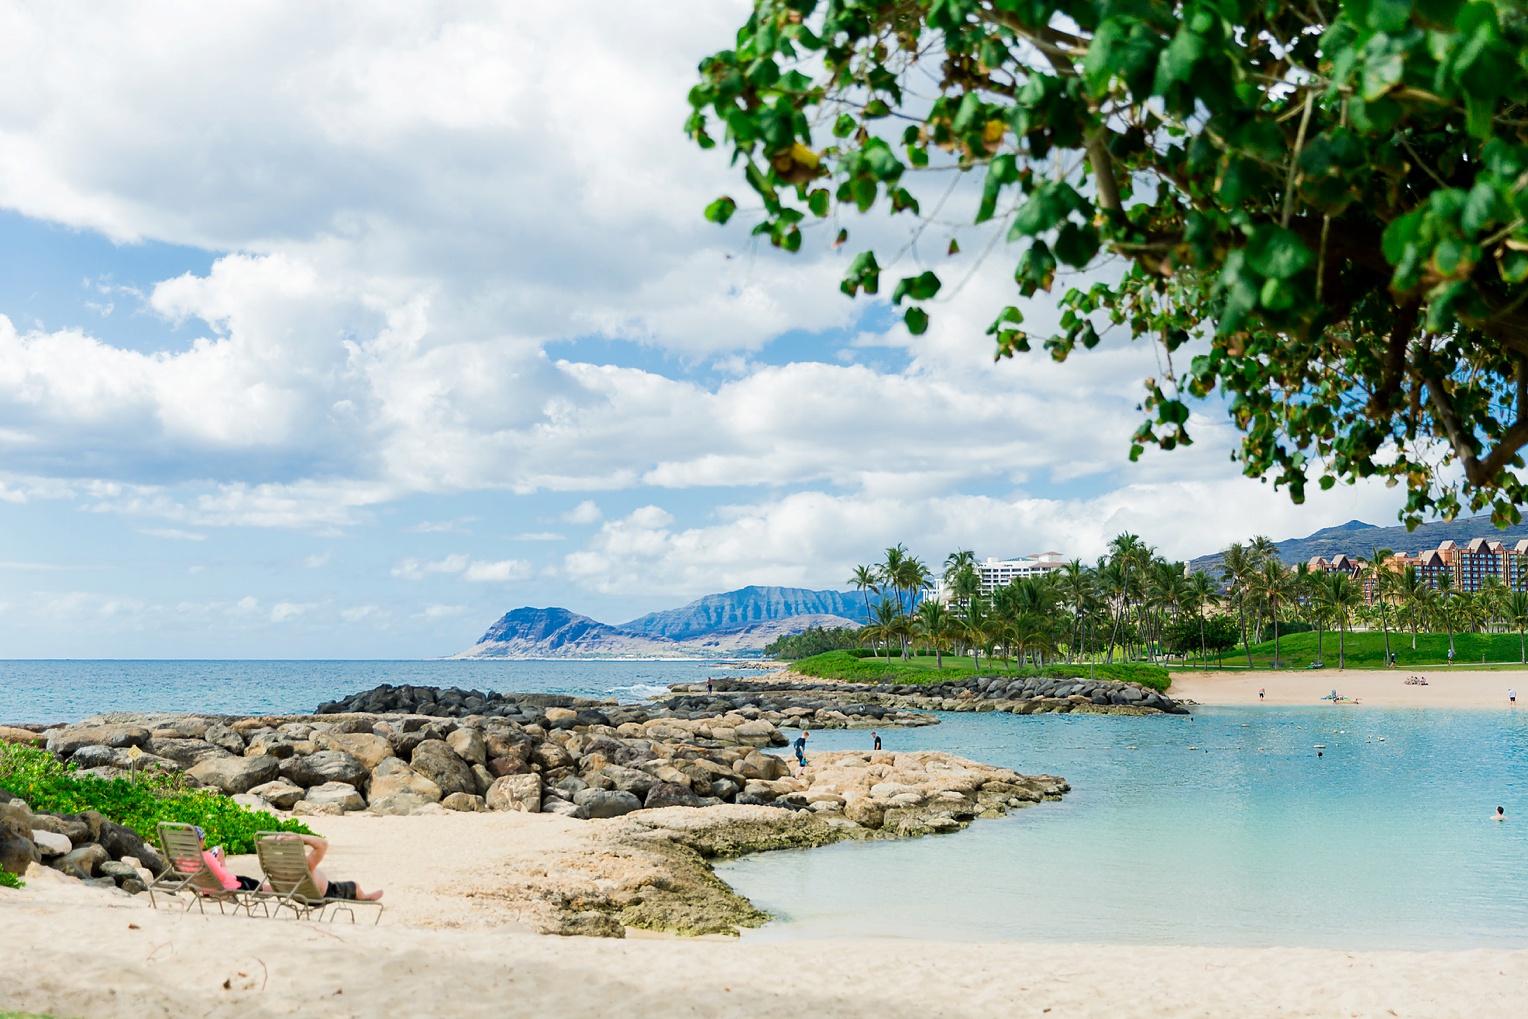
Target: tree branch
point(1477, 471)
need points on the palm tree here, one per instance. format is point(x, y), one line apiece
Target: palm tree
point(1411, 591)
point(1517, 618)
point(1271, 586)
point(933, 627)
point(976, 623)
point(1446, 609)
point(1236, 570)
point(1201, 592)
point(912, 576)
point(865, 580)
point(1341, 596)
point(886, 624)
point(1076, 589)
point(1377, 571)
point(956, 565)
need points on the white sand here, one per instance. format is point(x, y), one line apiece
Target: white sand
point(1447, 687)
point(445, 948)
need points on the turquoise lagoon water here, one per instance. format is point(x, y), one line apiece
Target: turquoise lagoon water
point(1223, 829)
point(1220, 829)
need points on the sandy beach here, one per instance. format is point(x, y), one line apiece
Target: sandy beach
point(448, 946)
point(1385, 688)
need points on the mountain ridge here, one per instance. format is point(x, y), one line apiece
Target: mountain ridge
point(1357, 538)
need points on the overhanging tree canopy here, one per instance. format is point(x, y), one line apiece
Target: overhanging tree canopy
point(1333, 192)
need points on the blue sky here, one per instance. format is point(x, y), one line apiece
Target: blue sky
point(343, 347)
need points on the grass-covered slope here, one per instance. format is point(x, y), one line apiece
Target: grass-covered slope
point(48, 786)
point(841, 665)
point(1367, 650)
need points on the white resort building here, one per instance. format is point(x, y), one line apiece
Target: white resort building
point(996, 573)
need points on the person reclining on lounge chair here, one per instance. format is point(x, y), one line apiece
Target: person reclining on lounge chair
point(317, 847)
point(217, 862)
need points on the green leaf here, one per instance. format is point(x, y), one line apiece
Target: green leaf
point(1481, 209)
point(1400, 234)
point(1177, 61)
point(844, 126)
point(720, 210)
point(1076, 245)
point(817, 201)
point(1276, 253)
point(864, 274)
point(917, 321)
point(919, 288)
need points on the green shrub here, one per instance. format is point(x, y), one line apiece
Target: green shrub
point(9, 880)
point(814, 640)
point(46, 785)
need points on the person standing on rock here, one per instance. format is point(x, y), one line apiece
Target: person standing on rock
point(801, 751)
point(877, 740)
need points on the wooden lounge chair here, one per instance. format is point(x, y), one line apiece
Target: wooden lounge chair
point(186, 870)
point(285, 862)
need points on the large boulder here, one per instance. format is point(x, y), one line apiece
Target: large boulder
point(50, 844)
point(368, 748)
point(465, 802)
point(235, 774)
point(71, 826)
point(323, 767)
point(671, 794)
point(119, 841)
point(502, 742)
point(393, 777)
point(440, 764)
point(82, 862)
point(628, 780)
point(17, 851)
point(606, 802)
point(763, 767)
point(759, 733)
point(186, 752)
point(551, 756)
point(469, 746)
point(516, 792)
point(280, 794)
point(64, 741)
point(220, 735)
point(340, 794)
point(24, 737)
point(404, 803)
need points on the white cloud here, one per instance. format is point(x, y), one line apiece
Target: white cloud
point(475, 570)
point(317, 560)
point(173, 533)
point(540, 536)
point(442, 611)
point(499, 572)
point(586, 512)
point(282, 611)
point(360, 612)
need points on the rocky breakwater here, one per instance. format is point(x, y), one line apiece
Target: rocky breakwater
point(652, 869)
point(1027, 695)
point(830, 706)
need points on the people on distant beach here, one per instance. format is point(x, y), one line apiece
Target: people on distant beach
point(317, 847)
point(1416, 681)
point(1512, 696)
point(708, 684)
point(877, 740)
point(1260, 693)
point(801, 750)
point(1500, 815)
point(1451, 656)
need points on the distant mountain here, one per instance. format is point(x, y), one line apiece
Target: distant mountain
point(734, 623)
point(1357, 539)
point(745, 607)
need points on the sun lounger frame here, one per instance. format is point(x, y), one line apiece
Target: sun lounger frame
point(181, 846)
point(284, 860)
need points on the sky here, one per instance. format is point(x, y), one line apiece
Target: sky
point(338, 330)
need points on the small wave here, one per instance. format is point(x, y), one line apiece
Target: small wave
point(643, 690)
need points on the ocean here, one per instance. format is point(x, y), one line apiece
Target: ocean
point(1222, 828)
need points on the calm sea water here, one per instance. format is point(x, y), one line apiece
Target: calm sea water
point(1220, 829)
point(52, 691)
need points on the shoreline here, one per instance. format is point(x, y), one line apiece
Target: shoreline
point(1447, 687)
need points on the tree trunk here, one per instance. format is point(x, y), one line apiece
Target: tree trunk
point(1241, 609)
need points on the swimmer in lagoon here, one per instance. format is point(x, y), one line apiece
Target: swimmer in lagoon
point(1500, 815)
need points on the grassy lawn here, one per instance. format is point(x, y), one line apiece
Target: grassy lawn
point(1367, 650)
point(843, 666)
